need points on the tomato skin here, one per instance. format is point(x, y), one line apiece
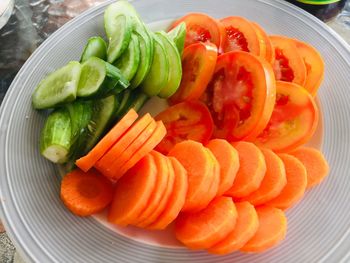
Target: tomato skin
point(241, 95)
point(198, 64)
point(293, 121)
point(202, 28)
point(266, 49)
point(189, 120)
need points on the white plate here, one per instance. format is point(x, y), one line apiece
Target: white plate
point(45, 231)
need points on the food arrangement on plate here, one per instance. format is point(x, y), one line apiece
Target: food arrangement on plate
point(222, 162)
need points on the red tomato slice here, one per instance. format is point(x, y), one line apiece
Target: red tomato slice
point(289, 65)
point(314, 66)
point(190, 120)
point(240, 35)
point(241, 95)
point(198, 65)
point(202, 28)
point(294, 119)
point(266, 49)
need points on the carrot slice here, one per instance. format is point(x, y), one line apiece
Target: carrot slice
point(104, 165)
point(203, 229)
point(316, 165)
point(296, 183)
point(160, 188)
point(88, 161)
point(227, 157)
point(199, 166)
point(274, 180)
point(251, 171)
point(272, 230)
point(165, 198)
point(246, 226)
point(133, 191)
point(144, 149)
point(86, 193)
point(215, 174)
point(177, 197)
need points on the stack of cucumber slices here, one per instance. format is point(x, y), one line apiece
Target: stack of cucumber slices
point(87, 97)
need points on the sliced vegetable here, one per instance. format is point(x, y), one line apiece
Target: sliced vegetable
point(178, 35)
point(95, 47)
point(57, 88)
point(266, 49)
point(135, 100)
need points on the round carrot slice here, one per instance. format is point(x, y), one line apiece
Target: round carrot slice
point(272, 230)
point(246, 226)
point(296, 183)
point(86, 193)
point(159, 189)
point(177, 197)
point(316, 165)
point(251, 171)
point(274, 180)
point(216, 174)
point(104, 165)
point(196, 160)
point(228, 159)
point(88, 161)
point(133, 191)
point(266, 49)
point(203, 229)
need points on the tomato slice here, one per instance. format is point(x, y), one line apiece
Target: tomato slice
point(289, 65)
point(190, 120)
point(314, 66)
point(202, 28)
point(240, 35)
point(198, 65)
point(266, 49)
point(241, 95)
point(294, 119)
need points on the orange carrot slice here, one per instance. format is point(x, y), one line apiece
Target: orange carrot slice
point(296, 183)
point(177, 197)
point(205, 228)
point(246, 226)
point(88, 161)
point(133, 191)
point(227, 157)
point(160, 188)
point(86, 193)
point(199, 166)
point(215, 174)
point(274, 180)
point(251, 171)
point(144, 149)
point(272, 230)
point(104, 165)
point(316, 165)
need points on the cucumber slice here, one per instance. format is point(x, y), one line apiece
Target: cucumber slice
point(123, 103)
point(158, 75)
point(57, 88)
point(129, 62)
point(175, 67)
point(118, 27)
point(95, 47)
point(178, 35)
point(55, 141)
point(135, 101)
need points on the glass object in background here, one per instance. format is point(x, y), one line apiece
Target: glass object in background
point(323, 9)
point(6, 7)
point(344, 17)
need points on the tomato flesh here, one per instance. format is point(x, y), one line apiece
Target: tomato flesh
point(236, 39)
point(285, 73)
point(197, 33)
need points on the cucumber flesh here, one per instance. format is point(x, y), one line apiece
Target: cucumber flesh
point(55, 141)
point(58, 87)
point(178, 35)
point(95, 47)
point(158, 75)
point(129, 62)
point(175, 67)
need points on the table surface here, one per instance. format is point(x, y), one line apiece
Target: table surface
point(31, 23)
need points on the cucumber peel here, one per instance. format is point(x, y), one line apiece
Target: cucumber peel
point(178, 35)
point(95, 47)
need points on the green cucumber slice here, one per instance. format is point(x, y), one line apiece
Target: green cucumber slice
point(57, 88)
point(55, 140)
point(158, 75)
point(175, 67)
point(129, 62)
point(123, 103)
point(95, 47)
point(135, 101)
point(178, 35)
